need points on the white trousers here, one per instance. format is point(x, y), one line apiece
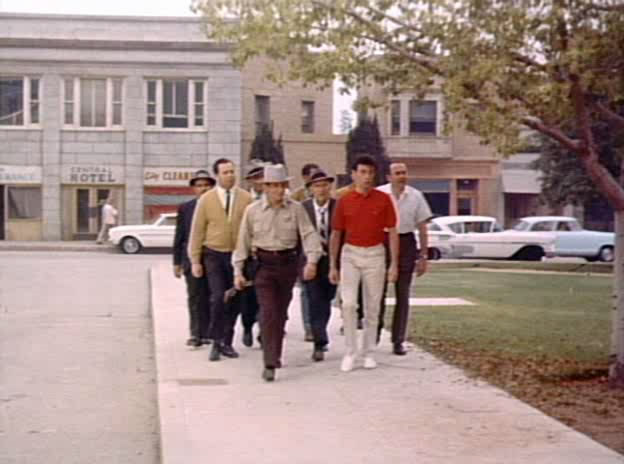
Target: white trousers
point(366, 265)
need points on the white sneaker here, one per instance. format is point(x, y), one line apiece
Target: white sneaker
point(369, 363)
point(347, 363)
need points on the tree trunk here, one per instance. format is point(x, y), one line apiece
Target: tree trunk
point(616, 358)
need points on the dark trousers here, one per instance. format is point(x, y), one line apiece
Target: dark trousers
point(249, 308)
point(198, 298)
point(408, 253)
point(320, 293)
point(220, 275)
point(274, 282)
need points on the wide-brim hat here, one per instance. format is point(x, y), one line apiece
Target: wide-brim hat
point(275, 173)
point(256, 171)
point(318, 176)
point(202, 174)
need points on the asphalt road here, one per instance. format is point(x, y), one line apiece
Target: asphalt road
point(77, 371)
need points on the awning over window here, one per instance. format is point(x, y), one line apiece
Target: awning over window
point(521, 181)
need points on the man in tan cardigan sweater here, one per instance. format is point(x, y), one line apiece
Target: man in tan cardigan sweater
point(213, 237)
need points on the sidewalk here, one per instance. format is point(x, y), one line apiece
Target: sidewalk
point(411, 409)
point(90, 246)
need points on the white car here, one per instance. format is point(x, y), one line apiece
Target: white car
point(482, 237)
point(571, 238)
point(132, 239)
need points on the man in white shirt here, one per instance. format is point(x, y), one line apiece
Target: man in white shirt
point(414, 213)
point(109, 219)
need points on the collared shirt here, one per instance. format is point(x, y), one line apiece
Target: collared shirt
point(275, 229)
point(109, 214)
point(412, 206)
point(363, 218)
point(222, 198)
point(322, 217)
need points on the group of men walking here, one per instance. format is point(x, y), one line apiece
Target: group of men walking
point(242, 252)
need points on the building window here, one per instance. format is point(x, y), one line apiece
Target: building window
point(92, 102)
point(423, 117)
point(176, 103)
point(307, 117)
point(262, 111)
point(19, 101)
point(24, 202)
point(395, 117)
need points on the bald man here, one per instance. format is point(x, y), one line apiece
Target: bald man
point(414, 213)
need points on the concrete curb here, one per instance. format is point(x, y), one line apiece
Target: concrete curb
point(57, 246)
point(411, 409)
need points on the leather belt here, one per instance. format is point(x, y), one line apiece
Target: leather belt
point(286, 252)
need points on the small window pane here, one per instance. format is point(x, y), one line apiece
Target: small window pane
point(69, 113)
point(422, 117)
point(395, 118)
point(173, 121)
point(307, 117)
point(263, 111)
point(181, 98)
point(100, 103)
point(69, 89)
point(168, 97)
point(11, 102)
point(151, 120)
point(24, 202)
point(116, 90)
point(34, 112)
point(117, 114)
point(199, 92)
point(151, 91)
point(34, 89)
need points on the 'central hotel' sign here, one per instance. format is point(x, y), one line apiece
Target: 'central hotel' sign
point(94, 175)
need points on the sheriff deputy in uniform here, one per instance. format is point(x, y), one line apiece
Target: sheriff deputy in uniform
point(271, 229)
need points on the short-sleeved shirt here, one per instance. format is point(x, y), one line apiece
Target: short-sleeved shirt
point(412, 205)
point(363, 218)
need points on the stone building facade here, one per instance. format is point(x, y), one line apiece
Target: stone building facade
point(92, 107)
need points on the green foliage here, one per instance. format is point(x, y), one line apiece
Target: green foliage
point(365, 138)
point(265, 148)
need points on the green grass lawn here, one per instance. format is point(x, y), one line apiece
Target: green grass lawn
point(517, 314)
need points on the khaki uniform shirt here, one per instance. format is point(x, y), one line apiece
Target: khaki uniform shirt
point(275, 229)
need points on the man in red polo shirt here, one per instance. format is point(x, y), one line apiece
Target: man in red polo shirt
point(362, 216)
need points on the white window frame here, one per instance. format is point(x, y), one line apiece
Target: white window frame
point(26, 102)
point(190, 103)
point(75, 123)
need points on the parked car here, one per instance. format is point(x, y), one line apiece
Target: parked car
point(571, 238)
point(132, 239)
point(482, 237)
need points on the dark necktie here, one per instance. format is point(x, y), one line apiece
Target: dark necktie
point(227, 203)
point(323, 225)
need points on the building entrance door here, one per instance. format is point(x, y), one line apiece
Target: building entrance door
point(87, 217)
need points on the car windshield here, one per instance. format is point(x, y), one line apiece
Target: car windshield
point(521, 225)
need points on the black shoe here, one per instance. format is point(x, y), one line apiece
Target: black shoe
point(228, 351)
point(399, 350)
point(324, 349)
point(308, 336)
point(268, 374)
point(360, 324)
point(205, 341)
point(318, 355)
point(215, 352)
point(248, 338)
point(193, 341)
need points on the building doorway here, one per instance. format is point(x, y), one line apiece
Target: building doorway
point(467, 191)
point(84, 214)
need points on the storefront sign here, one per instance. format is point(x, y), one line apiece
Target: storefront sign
point(20, 174)
point(168, 176)
point(93, 174)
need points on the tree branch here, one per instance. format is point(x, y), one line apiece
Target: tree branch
point(609, 114)
point(552, 132)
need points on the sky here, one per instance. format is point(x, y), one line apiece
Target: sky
point(130, 8)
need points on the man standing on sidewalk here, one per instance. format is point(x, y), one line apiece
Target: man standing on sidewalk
point(361, 216)
point(109, 219)
point(197, 290)
point(414, 212)
point(271, 229)
point(215, 227)
point(320, 290)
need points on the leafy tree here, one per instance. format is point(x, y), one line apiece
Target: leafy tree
point(502, 65)
point(265, 148)
point(365, 138)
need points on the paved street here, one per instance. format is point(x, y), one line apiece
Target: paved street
point(76, 359)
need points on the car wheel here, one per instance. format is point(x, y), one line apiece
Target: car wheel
point(434, 254)
point(531, 253)
point(606, 254)
point(130, 245)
